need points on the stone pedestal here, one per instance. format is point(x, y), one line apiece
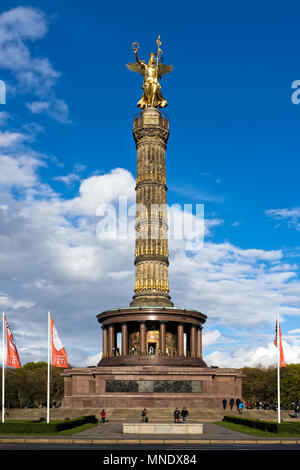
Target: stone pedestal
point(150, 387)
point(161, 428)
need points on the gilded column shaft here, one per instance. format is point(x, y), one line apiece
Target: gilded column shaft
point(151, 132)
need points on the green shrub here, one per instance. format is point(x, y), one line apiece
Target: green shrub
point(269, 426)
point(41, 427)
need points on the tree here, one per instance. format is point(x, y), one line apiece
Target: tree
point(27, 387)
point(260, 384)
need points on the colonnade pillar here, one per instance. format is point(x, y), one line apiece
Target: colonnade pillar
point(124, 350)
point(111, 340)
point(142, 351)
point(193, 340)
point(199, 342)
point(180, 346)
point(104, 342)
point(162, 338)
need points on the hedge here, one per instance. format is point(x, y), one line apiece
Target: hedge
point(42, 427)
point(270, 426)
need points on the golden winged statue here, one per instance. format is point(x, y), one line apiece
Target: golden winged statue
point(152, 73)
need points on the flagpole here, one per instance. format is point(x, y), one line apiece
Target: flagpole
point(278, 370)
point(48, 370)
point(3, 378)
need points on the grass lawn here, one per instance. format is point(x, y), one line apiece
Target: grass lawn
point(253, 432)
point(70, 432)
point(37, 428)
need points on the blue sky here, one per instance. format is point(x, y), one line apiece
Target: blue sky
point(234, 146)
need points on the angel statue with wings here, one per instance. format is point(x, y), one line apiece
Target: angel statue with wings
point(152, 73)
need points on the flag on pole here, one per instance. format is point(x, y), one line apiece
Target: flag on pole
point(12, 357)
point(278, 343)
point(59, 356)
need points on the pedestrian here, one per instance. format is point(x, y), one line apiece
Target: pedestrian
point(144, 416)
point(224, 403)
point(184, 413)
point(248, 405)
point(237, 402)
point(241, 406)
point(176, 415)
point(103, 415)
point(231, 403)
point(297, 409)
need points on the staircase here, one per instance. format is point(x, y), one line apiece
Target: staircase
point(134, 414)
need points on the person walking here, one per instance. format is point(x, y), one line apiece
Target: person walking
point(297, 409)
point(237, 402)
point(103, 415)
point(184, 413)
point(231, 403)
point(224, 402)
point(241, 406)
point(176, 415)
point(144, 416)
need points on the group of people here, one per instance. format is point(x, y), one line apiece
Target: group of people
point(183, 413)
point(238, 403)
point(258, 405)
point(177, 414)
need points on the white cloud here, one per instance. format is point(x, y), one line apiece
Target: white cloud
point(56, 108)
point(67, 179)
point(35, 75)
point(101, 189)
point(290, 216)
point(23, 22)
point(91, 360)
point(253, 357)
point(13, 303)
point(210, 338)
point(9, 139)
point(19, 171)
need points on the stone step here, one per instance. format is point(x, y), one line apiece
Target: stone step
point(155, 414)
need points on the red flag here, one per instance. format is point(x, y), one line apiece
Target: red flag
point(59, 355)
point(277, 341)
point(12, 359)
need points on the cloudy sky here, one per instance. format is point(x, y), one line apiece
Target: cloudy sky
point(66, 147)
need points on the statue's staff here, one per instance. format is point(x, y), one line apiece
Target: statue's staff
point(158, 42)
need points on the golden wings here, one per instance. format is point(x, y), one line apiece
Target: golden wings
point(162, 68)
